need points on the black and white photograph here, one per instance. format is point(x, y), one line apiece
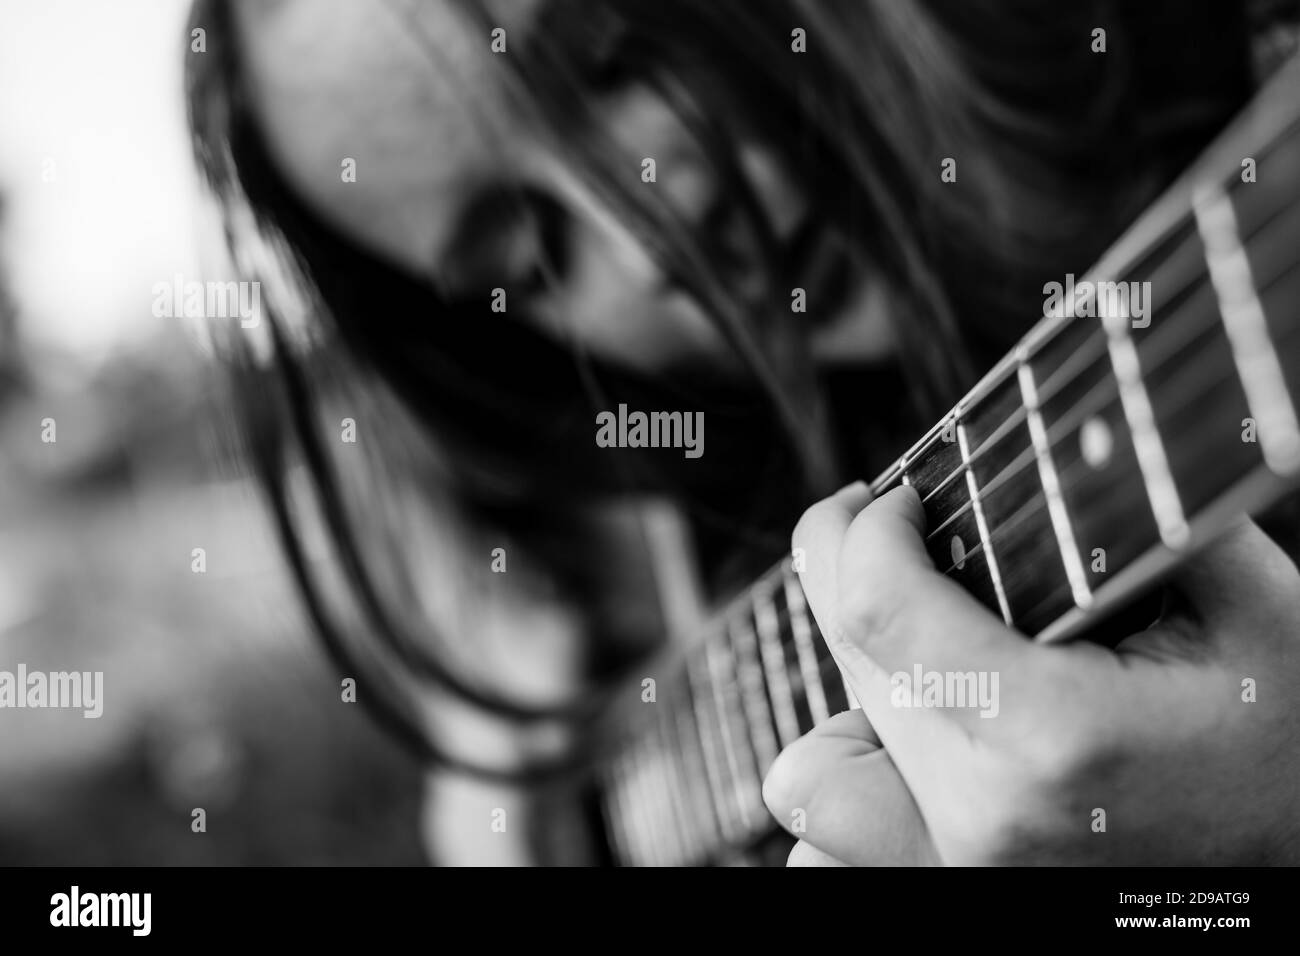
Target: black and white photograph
point(650, 433)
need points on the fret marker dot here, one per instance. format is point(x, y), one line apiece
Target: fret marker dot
point(1096, 442)
point(958, 552)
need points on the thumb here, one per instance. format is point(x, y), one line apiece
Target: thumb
point(897, 610)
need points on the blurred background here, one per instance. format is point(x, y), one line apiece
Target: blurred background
point(216, 695)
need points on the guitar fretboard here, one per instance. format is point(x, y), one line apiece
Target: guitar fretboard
point(1121, 433)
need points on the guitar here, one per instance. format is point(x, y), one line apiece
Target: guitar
point(1155, 401)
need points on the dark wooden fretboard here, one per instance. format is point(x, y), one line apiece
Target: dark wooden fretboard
point(1088, 462)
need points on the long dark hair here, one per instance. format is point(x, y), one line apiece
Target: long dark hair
point(1057, 147)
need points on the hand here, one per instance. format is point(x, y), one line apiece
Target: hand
point(1154, 752)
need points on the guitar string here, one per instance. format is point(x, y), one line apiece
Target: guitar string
point(1057, 434)
point(1189, 331)
point(1030, 507)
point(1094, 347)
point(1200, 273)
point(1064, 428)
point(1102, 397)
point(741, 787)
point(828, 674)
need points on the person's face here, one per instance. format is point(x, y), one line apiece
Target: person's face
point(411, 93)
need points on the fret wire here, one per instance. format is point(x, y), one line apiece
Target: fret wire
point(743, 781)
point(1054, 382)
point(1030, 507)
point(712, 759)
point(909, 460)
point(1069, 420)
point(1065, 426)
point(694, 785)
point(1095, 349)
point(683, 842)
point(688, 823)
point(1043, 438)
point(1078, 411)
point(1085, 408)
point(829, 669)
point(619, 832)
point(743, 603)
point(1004, 429)
point(671, 846)
point(851, 701)
point(990, 558)
point(1050, 482)
point(749, 670)
point(636, 814)
point(1008, 472)
point(635, 805)
point(674, 844)
point(697, 781)
point(849, 695)
point(778, 681)
point(648, 796)
point(649, 803)
point(1018, 464)
point(632, 813)
point(797, 609)
point(953, 476)
point(683, 835)
point(616, 814)
point(983, 447)
point(1147, 442)
point(1256, 359)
